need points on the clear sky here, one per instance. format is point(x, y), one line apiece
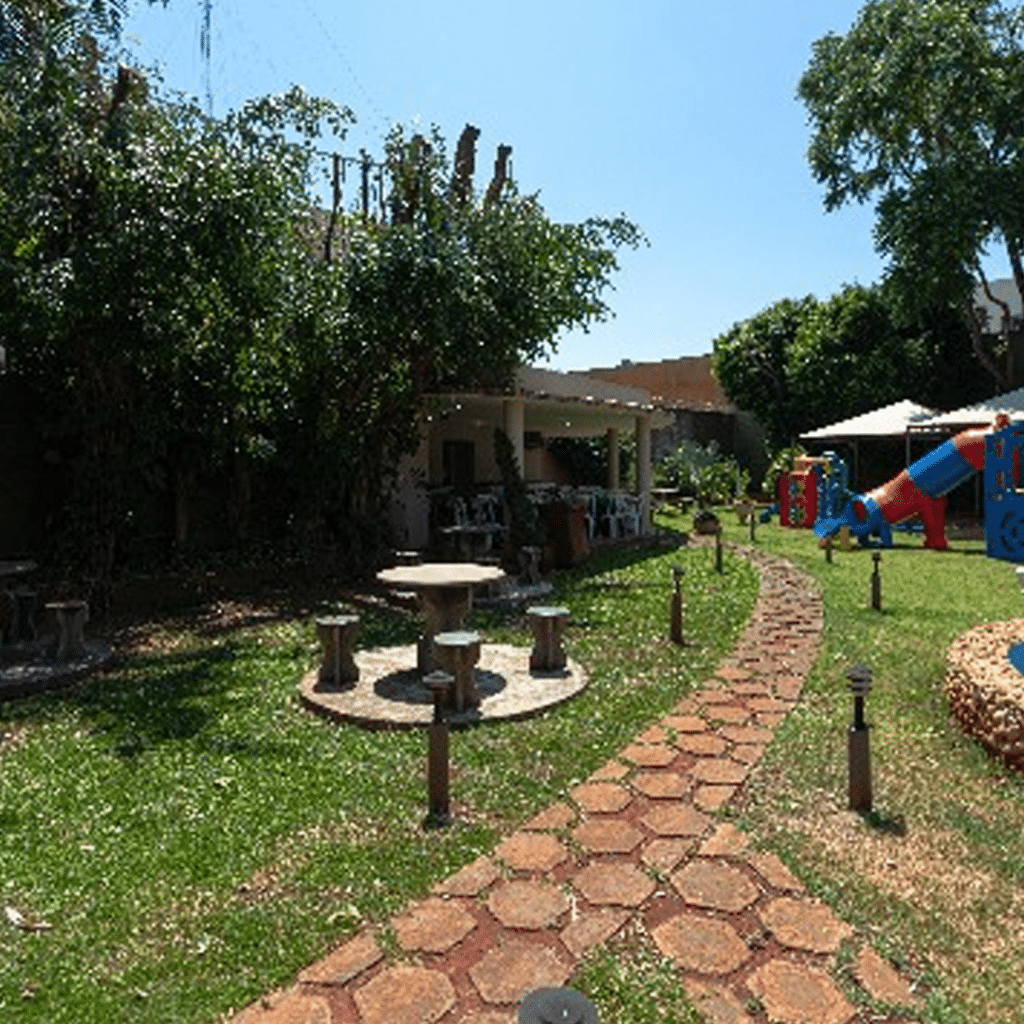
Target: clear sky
point(681, 114)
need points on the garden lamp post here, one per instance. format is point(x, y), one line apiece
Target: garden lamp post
point(876, 583)
point(676, 621)
point(438, 815)
point(718, 548)
point(858, 749)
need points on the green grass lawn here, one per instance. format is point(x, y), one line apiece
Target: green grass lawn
point(193, 837)
point(935, 876)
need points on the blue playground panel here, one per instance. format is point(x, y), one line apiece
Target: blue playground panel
point(1004, 502)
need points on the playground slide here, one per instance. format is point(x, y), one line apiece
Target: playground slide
point(919, 490)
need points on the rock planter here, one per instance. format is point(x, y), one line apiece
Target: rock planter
point(985, 692)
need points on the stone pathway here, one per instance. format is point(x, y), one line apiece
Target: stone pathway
point(635, 844)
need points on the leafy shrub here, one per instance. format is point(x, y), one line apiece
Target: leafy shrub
point(701, 471)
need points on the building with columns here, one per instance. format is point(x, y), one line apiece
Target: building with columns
point(457, 439)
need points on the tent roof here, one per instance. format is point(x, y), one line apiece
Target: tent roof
point(981, 414)
point(889, 421)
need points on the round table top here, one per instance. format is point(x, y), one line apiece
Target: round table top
point(440, 574)
point(17, 568)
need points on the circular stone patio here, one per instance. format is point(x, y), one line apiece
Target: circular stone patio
point(27, 668)
point(390, 695)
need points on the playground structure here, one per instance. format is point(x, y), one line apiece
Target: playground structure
point(919, 490)
point(1004, 499)
point(813, 490)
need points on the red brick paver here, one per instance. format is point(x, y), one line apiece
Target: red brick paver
point(638, 841)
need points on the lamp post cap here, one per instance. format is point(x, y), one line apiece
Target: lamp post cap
point(860, 677)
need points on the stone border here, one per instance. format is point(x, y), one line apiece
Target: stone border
point(389, 694)
point(985, 691)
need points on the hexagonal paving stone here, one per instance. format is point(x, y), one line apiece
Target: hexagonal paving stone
point(555, 816)
point(714, 884)
point(649, 755)
point(881, 981)
point(527, 904)
point(717, 1003)
point(507, 973)
point(611, 770)
point(592, 928)
point(803, 924)
point(728, 713)
point(619, 884)
point(746, 734)
point(701, 744)
point(675, 819)
point(603, 836)
point(726, 841)
point(700, 944)
point(686, 723)
point(470, 880)
point(655, 734)
point(747, 753)
point(527, 851)
point(794, 994)
point(710, 798)
point(345, 962)
point(296, 1006)
point(661, 785)
point(774, 872)
point(405, 995)
point(434, 926)
point(601, 797)
point(719, 771)
point(665, 854)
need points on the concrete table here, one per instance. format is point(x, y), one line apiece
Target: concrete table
point(446, 595)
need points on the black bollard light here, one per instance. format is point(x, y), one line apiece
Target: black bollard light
point(557, 1006)
point(718, 548)
point(753, 520)
point(438, 816)
point(676, 621)
point(876, 583)
point(828, 550)
point(858, 748)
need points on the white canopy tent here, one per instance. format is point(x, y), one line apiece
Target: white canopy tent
point(893, 420)
point(981, 414)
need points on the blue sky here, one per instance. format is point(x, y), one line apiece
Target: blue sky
point(680, 114)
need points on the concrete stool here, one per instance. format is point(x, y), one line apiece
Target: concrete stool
point(458, 654)
point(71, 619)
point(23, 606)
point(548, 625)
point(336, 633)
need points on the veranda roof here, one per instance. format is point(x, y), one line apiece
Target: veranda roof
point(889, 421)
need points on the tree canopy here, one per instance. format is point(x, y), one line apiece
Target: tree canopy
point(164, 294)
point(919, 108)
point(801, 363)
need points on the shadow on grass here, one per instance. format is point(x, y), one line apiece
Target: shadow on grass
point(890, 824)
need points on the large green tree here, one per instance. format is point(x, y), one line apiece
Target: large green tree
point(919, 108)
point(163, 293)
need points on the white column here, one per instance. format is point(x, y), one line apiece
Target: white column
point(613, 459)
point(643, 471)
point(515, 424)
